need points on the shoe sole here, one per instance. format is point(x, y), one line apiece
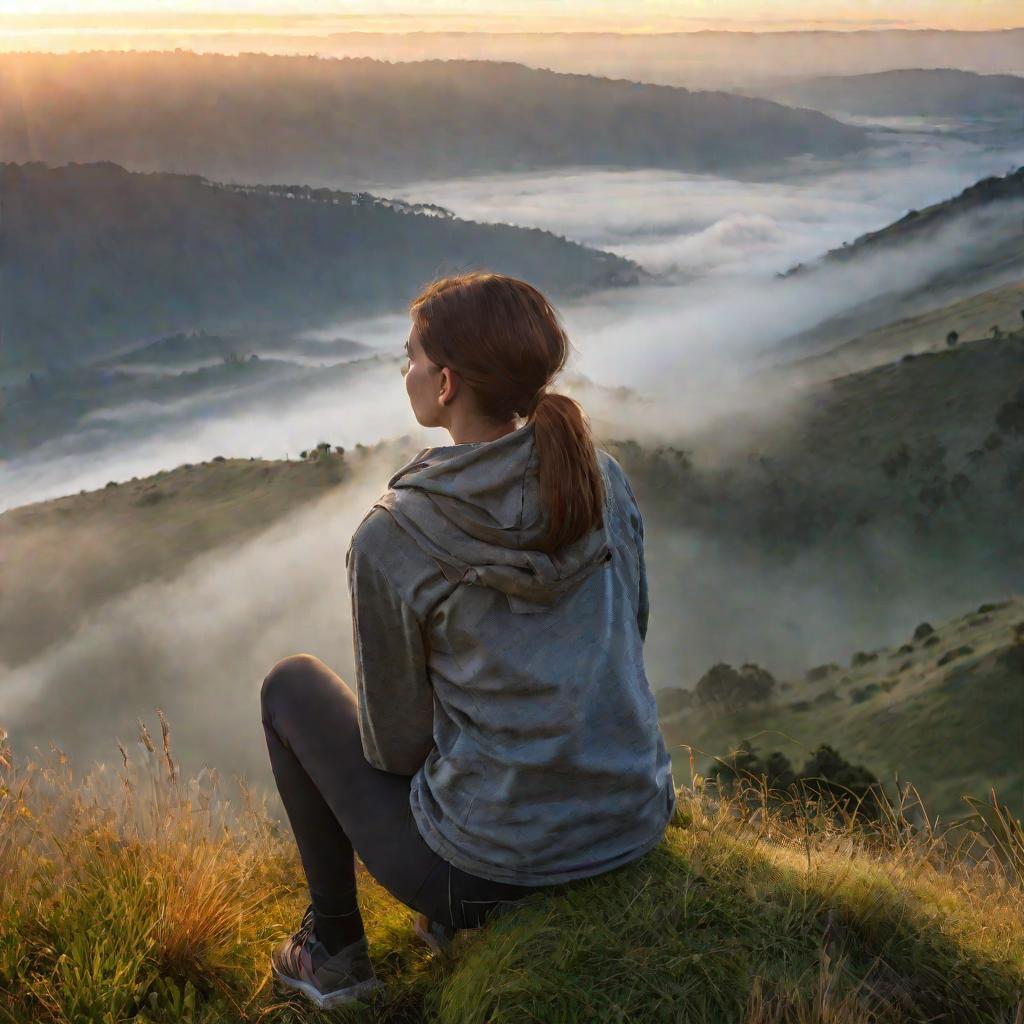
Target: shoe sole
point(329, 1000)
point(429, 939)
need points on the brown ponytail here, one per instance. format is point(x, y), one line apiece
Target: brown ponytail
point(505, 340)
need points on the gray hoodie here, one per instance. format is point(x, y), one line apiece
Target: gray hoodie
point(510, 684)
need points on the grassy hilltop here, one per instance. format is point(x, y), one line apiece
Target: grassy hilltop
point(134, 894)
point(945, 709)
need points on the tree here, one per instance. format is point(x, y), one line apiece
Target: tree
point(745, 765)
point(826, 775)
point(730, 689)
point(829, 775)
point(321, 451)
point(673, 699)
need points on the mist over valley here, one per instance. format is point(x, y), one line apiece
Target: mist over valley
point(190, 434)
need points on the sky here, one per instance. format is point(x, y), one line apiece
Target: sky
point(641, 15)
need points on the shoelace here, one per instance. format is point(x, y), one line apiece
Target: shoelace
point(306, 927)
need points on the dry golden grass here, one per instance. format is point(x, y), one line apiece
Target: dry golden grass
point(131, 893)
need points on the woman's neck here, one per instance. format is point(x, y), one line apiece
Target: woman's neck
point(474, 429)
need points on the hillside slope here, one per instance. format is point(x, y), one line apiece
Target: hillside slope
point(927, 259)
point(101, 544)
point(133, 256)
point(944, 711)
point(975, 316)
point(923, 225)
point(366, 123)
point(928, 450)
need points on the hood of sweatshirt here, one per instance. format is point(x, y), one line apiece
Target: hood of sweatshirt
point(476, 509)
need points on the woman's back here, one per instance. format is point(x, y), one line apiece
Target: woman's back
point(499, 609)
point(518, 676)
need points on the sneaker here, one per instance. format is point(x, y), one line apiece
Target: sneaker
point(436, 935)
point(304, 963)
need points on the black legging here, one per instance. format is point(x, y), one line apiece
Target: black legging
point(336, 800)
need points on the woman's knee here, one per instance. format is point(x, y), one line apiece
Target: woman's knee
point(287, 678)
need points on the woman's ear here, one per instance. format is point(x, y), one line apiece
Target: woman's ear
point(448, 386)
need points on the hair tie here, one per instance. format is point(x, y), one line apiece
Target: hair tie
point(535, 401)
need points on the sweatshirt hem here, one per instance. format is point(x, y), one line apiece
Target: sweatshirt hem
point(446, 851)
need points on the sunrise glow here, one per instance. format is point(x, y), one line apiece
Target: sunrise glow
point(524, 15)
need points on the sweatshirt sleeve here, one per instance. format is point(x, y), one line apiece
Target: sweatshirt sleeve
point(396, 700)
point(636, 521)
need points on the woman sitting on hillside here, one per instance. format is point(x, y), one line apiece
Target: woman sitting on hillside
point(502, 736)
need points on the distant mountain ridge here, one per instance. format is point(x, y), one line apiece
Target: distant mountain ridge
point(98, 258)
point(699, 59)
point(359, 122)
point(178, 351)
point(924, 92)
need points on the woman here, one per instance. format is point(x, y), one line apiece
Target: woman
point(502, 736)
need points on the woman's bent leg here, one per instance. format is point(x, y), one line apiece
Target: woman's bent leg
point(336, 800)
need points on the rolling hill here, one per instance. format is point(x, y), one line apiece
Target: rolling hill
point(137, 256)
point(944, 711)
point(992, 196)
point(920, 92)
point(156, 526)
point(199, 348)
point(928, 259)
point(86, 404)
point(928, 448)
point(362, 123)
point(975, 316)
